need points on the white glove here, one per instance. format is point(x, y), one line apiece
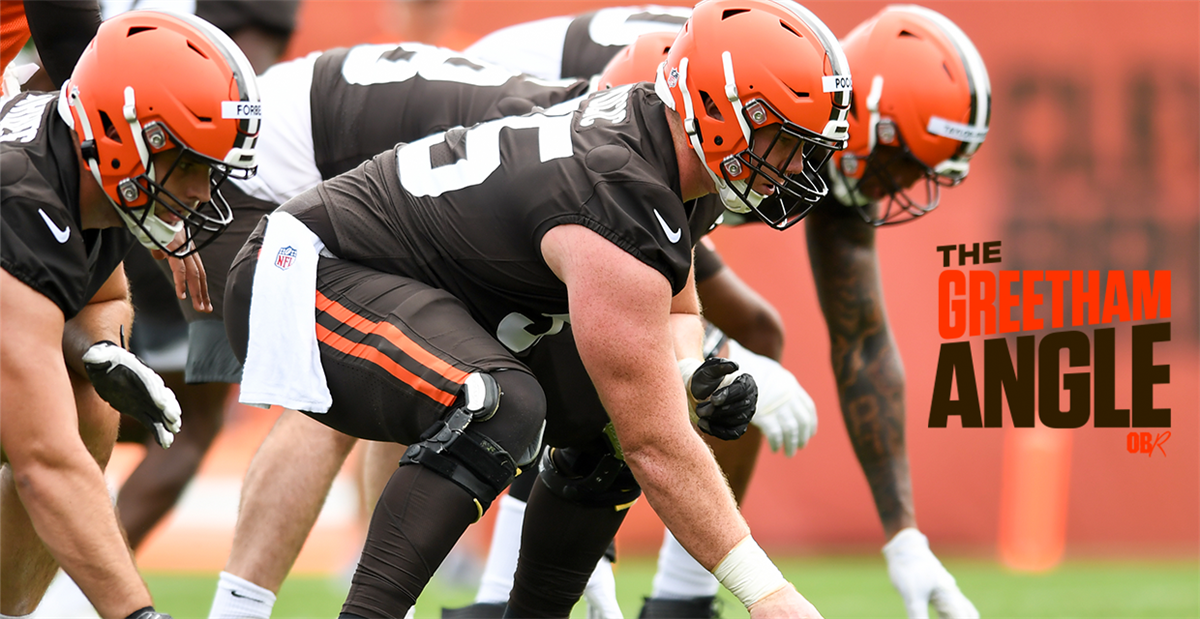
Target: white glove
point(921, 579)
point(122, 380)
point(786, 414)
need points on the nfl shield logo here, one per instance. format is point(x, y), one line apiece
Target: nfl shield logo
point(285, 257)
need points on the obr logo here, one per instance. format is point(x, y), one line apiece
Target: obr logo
point(1144, 442)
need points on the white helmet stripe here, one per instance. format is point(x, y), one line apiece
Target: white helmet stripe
point(837, 57)
point(689, 123)
point(135, 127)
point(243, 71)
point(873, 109)
point(731, 93)
point(977, 76)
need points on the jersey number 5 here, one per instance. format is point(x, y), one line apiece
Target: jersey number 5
point(420, 178)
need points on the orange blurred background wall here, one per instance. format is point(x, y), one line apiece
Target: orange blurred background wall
point(1092, 162)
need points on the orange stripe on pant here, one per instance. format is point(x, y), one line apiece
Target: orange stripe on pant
point(390, 333)
point(366, 352)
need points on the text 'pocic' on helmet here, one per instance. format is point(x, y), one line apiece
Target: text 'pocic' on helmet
point(921, 111)
point(154, 94)
point(741, 66)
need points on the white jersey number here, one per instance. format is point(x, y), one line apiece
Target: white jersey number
point(366, 65)
point(623, 25)
point(518, 332)
point(420, 178)
point(24, 120)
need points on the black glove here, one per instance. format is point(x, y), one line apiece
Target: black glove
point(122, 380)
point(147, 613)
point(725, 398)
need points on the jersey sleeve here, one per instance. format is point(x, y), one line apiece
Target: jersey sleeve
point(29, 248)
point(646, 220)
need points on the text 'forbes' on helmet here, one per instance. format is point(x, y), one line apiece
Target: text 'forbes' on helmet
point(924, 93)
point(742, 65)
point(154, 82)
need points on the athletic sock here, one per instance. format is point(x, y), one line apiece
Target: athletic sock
point(601, 593)
point(679, 576)
point(238, 598)
point(501, 563)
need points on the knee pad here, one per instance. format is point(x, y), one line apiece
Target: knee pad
point(468, 458)
point(588, 478)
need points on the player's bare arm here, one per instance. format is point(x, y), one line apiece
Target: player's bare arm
point(59, 484)
point(107, 316)
point(866, 363)
point(687, 328)
point(619, 312)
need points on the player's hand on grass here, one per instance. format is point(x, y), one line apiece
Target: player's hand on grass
point(785, 413)
point(922, 581)
point(784, 603)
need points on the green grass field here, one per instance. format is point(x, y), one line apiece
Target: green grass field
point(838, 586)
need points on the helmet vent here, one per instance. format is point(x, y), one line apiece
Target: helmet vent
point(790, 29)
point(139, 29)
point(110, 130)
point(948, 73)
point(905, 33)
point(710, 107)
point(197, 50)
point(799, 93)
point(731, 12)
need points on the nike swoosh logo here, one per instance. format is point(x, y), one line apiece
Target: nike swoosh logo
point(672, 236)
point(245, 597)
point(59, 235)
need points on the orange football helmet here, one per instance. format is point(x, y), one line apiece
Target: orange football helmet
point(150, 82)
point(638, 61)
point(921, 110)
point(742, 65)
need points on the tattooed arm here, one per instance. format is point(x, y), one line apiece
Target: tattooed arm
point(866, 363)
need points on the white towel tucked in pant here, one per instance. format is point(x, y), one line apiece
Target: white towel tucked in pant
point(283, 363)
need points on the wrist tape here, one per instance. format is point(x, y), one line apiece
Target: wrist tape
point(748, 573)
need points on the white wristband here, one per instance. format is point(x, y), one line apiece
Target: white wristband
point(687, 367)
point(748, 573)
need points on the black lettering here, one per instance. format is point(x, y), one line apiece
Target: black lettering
point(1105, 387)
point(991, 252)
point(1146, 374)
point(999, 376)
point(1076, 383)
point(946, 251)
point(963, 254)
point(954, 361)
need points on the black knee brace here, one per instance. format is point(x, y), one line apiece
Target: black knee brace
point(473, 461)
point(589, 478)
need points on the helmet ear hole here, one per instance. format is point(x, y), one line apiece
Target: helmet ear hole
point(110, 130)
point(710, 107)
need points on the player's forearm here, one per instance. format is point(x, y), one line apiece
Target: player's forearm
point(675, 470)
point(65, 495)
point(682, 483)
point(871, 393)
point(105, 320)
point(866, 363)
